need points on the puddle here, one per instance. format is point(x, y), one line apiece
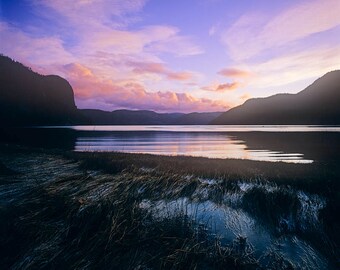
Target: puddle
point(229, 221)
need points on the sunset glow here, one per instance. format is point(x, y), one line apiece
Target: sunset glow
point(174, 56)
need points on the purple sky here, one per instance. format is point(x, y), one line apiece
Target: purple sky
point(174, 56)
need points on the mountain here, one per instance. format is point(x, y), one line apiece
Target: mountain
point(144, 117)
point(318, 104)
point(28, 98)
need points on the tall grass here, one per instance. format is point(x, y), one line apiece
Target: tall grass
point(86, 211)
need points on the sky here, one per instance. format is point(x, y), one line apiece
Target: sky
point(174, 55)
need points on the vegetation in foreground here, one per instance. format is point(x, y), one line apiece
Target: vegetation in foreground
point(116, 211)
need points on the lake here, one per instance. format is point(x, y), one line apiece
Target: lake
point(298, 144)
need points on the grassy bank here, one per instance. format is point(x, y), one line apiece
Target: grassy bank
point(130, 211)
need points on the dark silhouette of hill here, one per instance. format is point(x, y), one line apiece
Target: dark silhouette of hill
point(196, 118)
point(144, 117)
point(129, 117)
point(318, 104)
point(28, 98)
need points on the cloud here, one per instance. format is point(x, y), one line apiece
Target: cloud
point(160, 68)
point(290, 68)
point(212, 30)
point(167, 102)
point(92, 91)
point(148, 67)
point(233, 72)
point(76, 38)
point(110, 31)
point(227, 86)
point(287, 49)
point(35, 51)
point(76, 10)
point(153, 39)
point(177, 45)
point(77, 70)
point(75, 28)
point(255, 33)
point(222, 87)
point(180, 76)
point(245, 97)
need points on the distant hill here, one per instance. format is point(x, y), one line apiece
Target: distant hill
point(28, 98)
point(144, 117)
point(196, 118)
point(129, 117)
point(318, 104)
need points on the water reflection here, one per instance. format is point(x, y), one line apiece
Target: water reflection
point(212, 145)
point(210, 128)
point(298, 144)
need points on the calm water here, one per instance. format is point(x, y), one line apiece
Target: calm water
point(299, 144)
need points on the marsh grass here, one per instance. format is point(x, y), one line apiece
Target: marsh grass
point(82, 222)
point(91, 213)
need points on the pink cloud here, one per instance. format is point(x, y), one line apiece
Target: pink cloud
point(180, 76)
point(108, 94)
point(245, 97)
point(136, 97)
point(227, 86)
point(77, 70)
point(222, 87)
point(140, 67)
point(159, 68)
point(234, 72)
